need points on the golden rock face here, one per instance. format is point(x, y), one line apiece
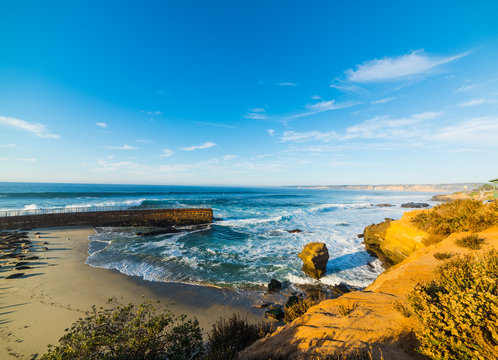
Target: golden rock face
point(315, 256)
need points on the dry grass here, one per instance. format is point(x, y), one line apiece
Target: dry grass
point(347, 309)
point(457, 216)
point(459, 310)
point(443, 255)
point(472, 242)
point(300, 307)
point(404, 310)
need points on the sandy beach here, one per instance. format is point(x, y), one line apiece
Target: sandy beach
point(36, 308)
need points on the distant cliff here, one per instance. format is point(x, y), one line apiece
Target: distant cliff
point(444, 188)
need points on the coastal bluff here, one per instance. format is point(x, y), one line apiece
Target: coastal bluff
point(378, 318)
point(128, 217)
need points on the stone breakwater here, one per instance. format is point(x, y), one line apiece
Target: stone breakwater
point(155, 217)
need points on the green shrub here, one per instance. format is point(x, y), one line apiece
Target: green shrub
point(128, 332)
point(228, 337)
point(443, 255)
point(459, 310)
point(458, 215)
point(471, 241)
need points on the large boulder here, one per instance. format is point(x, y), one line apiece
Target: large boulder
point(315, 256)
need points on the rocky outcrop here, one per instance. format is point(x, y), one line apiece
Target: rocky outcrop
point(375, 318)
point(393, 241)
point(315, 256)
point(414, 205)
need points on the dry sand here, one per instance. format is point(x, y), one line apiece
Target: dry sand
point(35, 309)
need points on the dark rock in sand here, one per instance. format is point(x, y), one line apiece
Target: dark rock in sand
point(413, 205)
point(32, 258)
point(315, 256)
point(24, 267)
point(384, 205)
point(277, 314)
point(44, 248)
point(294, 231)
point(274, 286)
point(16, 275)
point(21, 263)
point(360, 235)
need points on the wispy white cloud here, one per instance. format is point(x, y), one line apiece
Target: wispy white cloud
point(481, 130)
point(101, 124)
point(316, 97)
point(384, 127)
point(308, 136)
point(466, 88)
point(7, 145)
point(124, 147)
point(39, 130)
point(108, 166)
point(229, 157)
point(206, 145)
point(167, 153)
point(154, 112)
point(398, 68)
point(27, 159)
point(256, 114)
point(144, 141)
point(271, 132)
point(473, 102)
point(382, 101)
point(203, 123)
point(379, 127)
point(319, 107)
point(287, 84)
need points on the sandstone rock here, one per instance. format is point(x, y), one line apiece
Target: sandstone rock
point(274, 286)
point(384, 205)
point(315, 256)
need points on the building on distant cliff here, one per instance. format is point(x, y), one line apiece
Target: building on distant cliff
point(495, 193)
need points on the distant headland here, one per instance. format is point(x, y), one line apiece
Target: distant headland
point(443, 188)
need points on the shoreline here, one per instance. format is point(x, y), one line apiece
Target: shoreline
point(36, 308)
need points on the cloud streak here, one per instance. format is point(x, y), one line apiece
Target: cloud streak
point(39, 130)
point(397, 68)
point(206, 145)
point(124, 147)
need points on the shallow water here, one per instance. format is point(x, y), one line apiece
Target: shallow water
point(248, 243)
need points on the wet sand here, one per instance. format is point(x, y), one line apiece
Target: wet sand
point(36, 308)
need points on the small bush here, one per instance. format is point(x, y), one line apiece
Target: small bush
point(229, 336)
point(129, 332)
point(399, 306)
point(443, 255)
point(300, 307)
point(457, 216)
point(459, 310)
point(471, 241)
point(345, 310)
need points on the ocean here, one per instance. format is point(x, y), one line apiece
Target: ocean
point(248, 243)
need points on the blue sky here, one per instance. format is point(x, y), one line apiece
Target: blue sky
point(248, 92)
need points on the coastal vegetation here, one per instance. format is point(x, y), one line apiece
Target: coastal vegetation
point(300, 306)
point(471, 241)
point(229, 336)
point(457, 216)
point(130, 332)
point(458, 311)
